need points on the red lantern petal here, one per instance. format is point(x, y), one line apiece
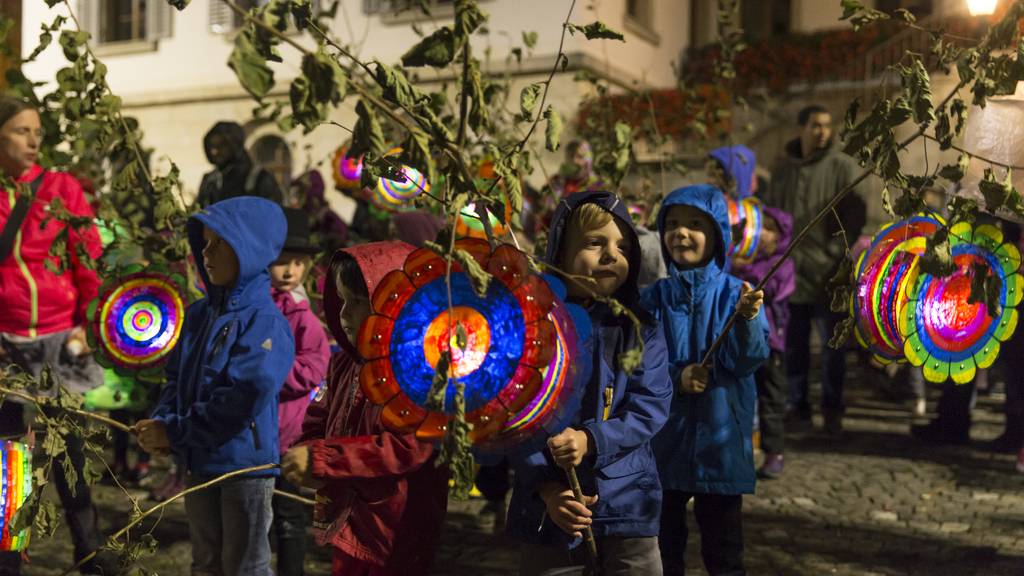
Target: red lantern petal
point(433, 428)
point(374, 340)
point(487, 421)
point(378, 381)
point(402, 415)
point(523, 386)
point(509, 265)
point(392, 293)
point(479, 249)
point(423, 266)
point(535, 297)
point(539, 345)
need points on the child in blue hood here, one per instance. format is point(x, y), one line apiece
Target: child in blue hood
point(609, 439)
point(218, 411)
point(705, 450)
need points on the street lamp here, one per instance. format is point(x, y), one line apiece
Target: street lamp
point(982, 7)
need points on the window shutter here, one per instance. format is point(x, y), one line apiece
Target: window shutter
point(159, 20)
point(222, 20)
point(89, 18)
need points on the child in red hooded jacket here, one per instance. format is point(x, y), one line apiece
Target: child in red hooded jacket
point(380, 498)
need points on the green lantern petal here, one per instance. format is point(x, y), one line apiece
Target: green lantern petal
point(1007, 325)
point(962, 372)
point(987, 356)
point(914, 351)
point(936, 370)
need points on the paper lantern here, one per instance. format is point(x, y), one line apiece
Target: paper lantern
point(499, 344)
point(119, 392)
point(15, 487)
point(949, 337)
point(395, 195)
point(995, 132)
point(136, 321)
point(346, 171)
point(745, 217)
point(469, 224)
point(886, 273)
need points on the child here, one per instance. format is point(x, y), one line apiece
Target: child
point(776, 231)
point(592, 237)
point(731, 169)
point(312, 353)
point(381, 499)
point(705, 451)
point(218, 410)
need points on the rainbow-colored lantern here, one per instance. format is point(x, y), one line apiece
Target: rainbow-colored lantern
point(393, 195)
point(945, 334)
point(15, 487)
point(470, 225)
point(137, 319)
point(504, 347)
point(886, 274)
point(747, 216)
point(346, 171)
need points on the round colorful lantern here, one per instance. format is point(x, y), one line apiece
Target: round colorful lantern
point(499, 345)
point(745, 217)
point(946, 334)
point(137, 320)
point(15, 487)
point(886, 274)
point(347, 171)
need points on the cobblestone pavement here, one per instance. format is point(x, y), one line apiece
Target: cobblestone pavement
point(873, 502)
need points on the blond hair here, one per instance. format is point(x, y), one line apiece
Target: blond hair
point(585, 218)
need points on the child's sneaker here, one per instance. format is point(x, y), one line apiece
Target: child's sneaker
point(772, 467)
point(1020, 461)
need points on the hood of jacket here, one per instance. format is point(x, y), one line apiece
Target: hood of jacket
point(375, 260)
point(710, 201)
point(629, 292)
point(255, 228)
point(739, 162)
point(233, 134)
point(785, 225)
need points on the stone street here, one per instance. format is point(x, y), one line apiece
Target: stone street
point(873, 502)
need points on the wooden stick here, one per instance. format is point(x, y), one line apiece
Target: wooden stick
point(588, 534)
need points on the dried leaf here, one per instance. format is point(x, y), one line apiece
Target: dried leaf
point(596, 30)
point(553, 131)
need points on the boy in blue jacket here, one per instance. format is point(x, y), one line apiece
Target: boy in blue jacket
point(592, 239)
point(705, 450)
point(218, 410)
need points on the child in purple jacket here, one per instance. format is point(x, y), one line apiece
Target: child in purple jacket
point(312, 354)
point(776, 233)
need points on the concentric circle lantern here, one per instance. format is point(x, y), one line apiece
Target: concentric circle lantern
point(886, 273)
point(346, 171)
point(470, 225)
point(946, 334)
point(137, 320)
point(15, 487)
point(501, 346)
point(746, 217)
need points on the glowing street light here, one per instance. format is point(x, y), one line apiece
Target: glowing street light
point(982, 7)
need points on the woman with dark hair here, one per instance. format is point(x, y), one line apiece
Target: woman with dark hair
point(234, 173)
point(42, 309)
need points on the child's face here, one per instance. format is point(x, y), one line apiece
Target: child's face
point(355, 309)
point(601, 254)
point(689, 236)
point(288, 271)
point(219, 259)
point(769, 236)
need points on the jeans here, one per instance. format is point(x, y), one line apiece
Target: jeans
point(954, 408)
point(617, 556)
point(289, 530)
point(798, 357)
point(720, 519)
point(228, 526)
point(771, 395)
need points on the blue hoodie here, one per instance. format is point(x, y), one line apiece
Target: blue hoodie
point(622, 470)
point(236, 349)
point(706, 446)
point(739, 164)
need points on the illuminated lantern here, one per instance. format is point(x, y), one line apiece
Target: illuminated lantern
point(15, 487)
point(745, 218)
point(346, 171)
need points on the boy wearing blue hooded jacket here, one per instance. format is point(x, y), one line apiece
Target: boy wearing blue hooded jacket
point(218, 411)
point(705, 450)
point(593, 241)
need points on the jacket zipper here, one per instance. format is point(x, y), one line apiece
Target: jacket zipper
point(33, 291)
point(255, 435)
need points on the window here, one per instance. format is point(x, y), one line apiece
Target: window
point(394, 7)
point(224, 20)
point(121, 22)
point(766, 18)
point(640, 19)
point(273, 154)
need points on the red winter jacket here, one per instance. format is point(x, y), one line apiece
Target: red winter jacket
point(33, 300)
point(383, 499)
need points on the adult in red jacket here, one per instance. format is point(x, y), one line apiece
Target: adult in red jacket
point(381, 500)
point(42, 311)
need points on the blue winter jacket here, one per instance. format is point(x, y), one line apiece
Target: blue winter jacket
point(706, 446)
point(620, 411)
point(739, 163)
point(236, 349)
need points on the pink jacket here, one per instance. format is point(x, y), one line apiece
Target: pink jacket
point(312, 354)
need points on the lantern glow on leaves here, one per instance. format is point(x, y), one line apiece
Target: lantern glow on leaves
point(946, 334)
point(503, 347)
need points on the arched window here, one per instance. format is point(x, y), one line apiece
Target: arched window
point(273, 154)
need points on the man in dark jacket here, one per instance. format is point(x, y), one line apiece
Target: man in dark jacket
point(234, 172)
point(812, 171)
